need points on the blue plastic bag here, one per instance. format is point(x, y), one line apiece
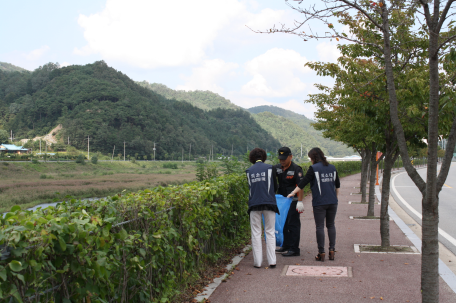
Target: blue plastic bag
point(283, 204)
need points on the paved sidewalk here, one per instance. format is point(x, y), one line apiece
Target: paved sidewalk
point(374, 277)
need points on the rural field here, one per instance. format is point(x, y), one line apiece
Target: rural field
point(28, 184)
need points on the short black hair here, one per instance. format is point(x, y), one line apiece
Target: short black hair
point(257, 154)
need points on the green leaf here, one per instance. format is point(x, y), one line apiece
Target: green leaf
point(142, 252)
point(15, 265)
point(16, 295)
point(20, 277)
point(123, 234)
point(62, 244)
point(106, 229)
point(15, 208)
point(3, 274)
point(29, 225)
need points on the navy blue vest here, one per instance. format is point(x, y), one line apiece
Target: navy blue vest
point(323, 186)
point(261, 184)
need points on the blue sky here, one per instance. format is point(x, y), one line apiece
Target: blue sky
point(190, 45)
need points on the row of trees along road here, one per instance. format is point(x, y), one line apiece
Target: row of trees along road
point(394, 85)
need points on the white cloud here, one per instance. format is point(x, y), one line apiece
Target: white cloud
point(328, 52)
point(63, 64)
point(37, 53)
point(208, 75)
point(150, 34)
point(265, 19)
point(276, 74)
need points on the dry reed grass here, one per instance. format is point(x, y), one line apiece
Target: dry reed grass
point(25, 185)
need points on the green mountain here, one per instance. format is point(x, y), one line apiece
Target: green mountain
point(97, 102)
point(329, 147)
point(206, 100)
point(8, 67)
point(306, 135)
point(287, 132)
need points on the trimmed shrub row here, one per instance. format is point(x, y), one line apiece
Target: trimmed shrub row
point(77, 251)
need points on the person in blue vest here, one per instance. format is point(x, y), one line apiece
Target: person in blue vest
point(262, 201)
point(324, 183)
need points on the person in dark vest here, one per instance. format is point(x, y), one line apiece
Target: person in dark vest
point(324, 183)
point(289, 175)
point(262, 201)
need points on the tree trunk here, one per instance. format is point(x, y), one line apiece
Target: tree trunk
point(384, 216)
point(373, 166)
point(430, 203)
point(364, 173)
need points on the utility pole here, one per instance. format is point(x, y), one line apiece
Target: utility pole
point(112, 158)
point(124, 150)
point(189, 152)
point(154, 151)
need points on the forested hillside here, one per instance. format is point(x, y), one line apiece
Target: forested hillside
point(206, 100)
point(333, 148)
point(287, 132)
point(8, 67)
point(105, 105)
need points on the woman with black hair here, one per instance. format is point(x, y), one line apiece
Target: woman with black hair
point(324, 183)
point(262, 201)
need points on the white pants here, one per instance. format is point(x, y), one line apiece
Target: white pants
point(255, 225)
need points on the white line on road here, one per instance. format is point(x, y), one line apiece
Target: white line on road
point(441, 232)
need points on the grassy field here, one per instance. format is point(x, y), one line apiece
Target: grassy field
point(28, 184)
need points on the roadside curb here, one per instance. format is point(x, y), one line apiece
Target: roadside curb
point(207, 292)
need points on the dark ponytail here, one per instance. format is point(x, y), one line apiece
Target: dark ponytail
point(316, 155)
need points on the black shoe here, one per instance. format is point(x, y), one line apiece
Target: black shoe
point(282, 250)
point(272, 266)
point(291, 254)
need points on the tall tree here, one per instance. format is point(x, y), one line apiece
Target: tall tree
point(432, 22)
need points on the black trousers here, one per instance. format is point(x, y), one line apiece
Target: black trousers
point(292, 229)
point(321, 213)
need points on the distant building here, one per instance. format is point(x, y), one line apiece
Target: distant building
point(13, 149)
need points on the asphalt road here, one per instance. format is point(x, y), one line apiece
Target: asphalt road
point(409, 198)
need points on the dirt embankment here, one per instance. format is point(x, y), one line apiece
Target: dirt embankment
point(49, 138)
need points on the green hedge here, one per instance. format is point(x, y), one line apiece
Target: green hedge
point(76, 251)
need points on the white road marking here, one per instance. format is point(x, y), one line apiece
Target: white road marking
point(441, 232)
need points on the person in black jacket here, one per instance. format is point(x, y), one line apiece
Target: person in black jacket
point(289, 175)
point(262, 201)
point(324, 183)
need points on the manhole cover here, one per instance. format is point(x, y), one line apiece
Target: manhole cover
point(318, 271)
